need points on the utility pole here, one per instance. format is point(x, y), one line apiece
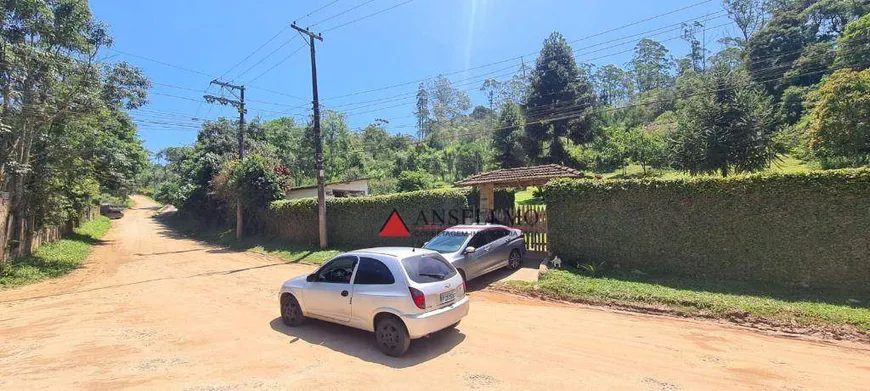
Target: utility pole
point(240, 105)
point(318, 141)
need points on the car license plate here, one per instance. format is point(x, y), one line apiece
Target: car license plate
point(448, 296)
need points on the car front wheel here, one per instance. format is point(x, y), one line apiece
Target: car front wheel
point(392, 336)
point(515, 260)
point(291, 313)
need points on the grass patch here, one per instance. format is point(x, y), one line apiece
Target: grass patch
point(527, 197)
point(291, 252)
point(792, 307)
point(57, 258)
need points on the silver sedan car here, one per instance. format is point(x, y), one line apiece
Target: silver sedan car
point(399, 293)
point(478, 249)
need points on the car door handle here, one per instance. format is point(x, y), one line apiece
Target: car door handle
point(344, 293)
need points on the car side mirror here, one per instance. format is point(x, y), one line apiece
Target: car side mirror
point(470, 250)
point(311, 278)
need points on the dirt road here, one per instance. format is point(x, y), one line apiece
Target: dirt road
point(152, 310)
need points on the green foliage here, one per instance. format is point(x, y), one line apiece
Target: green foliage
point(854, 45)
point(66, 138)
point(507, 138)
point(560, 104)
point(766, 302)
point(728, 130)
point(413, 181)
point(57, 258)
point(651, 66)
point(256, 180)
point(806, 228)
point(357, 221)
point(840, 132)
point(591, 269)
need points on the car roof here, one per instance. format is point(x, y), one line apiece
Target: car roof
point(397, 252)
point(476, 227)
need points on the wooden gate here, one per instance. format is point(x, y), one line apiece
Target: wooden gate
point(532, 220)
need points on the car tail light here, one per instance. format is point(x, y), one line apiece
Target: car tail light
point(419, 298)
point(463, 286)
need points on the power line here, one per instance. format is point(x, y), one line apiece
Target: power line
point(255, 51)
point(278, 63)
point(266, 57)
point(342, 13)
point(520, 57)
point(287, 27)
point(368, 16)
point(409, 96)
point(317, 10)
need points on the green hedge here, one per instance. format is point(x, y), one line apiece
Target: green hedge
point(808, 228)
point(356, 221)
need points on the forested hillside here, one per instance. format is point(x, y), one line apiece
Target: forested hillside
point(789, 84)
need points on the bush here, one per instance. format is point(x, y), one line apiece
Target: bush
point(807, 228)
point(838, 125)
point(357, 221)
point(414, 180)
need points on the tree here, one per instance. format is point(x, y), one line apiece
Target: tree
point(560, 104)
point(697, 52)
point(613, 84)
point(447, 102)
point(67, 138)
point(748, 15)
point(651, 65)
point(492, 88)
point(771, 52)
point(854, 45)
point(506, 139)
point(839, 130)
point(727, 127)
point(422, 111)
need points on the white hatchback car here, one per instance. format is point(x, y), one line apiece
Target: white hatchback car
point(399, 293)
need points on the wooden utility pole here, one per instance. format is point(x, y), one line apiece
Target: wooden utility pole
point(240, 105)
point(318, 140)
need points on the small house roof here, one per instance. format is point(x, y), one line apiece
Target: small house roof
point(522, 176)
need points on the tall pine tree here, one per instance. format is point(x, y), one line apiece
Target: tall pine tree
point(559, 106)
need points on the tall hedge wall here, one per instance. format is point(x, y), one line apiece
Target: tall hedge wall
point(356, 221)
point(808, 228)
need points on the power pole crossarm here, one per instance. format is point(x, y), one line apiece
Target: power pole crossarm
point(318, 140)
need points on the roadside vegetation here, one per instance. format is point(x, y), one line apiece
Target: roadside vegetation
point(292, 253)
point(754, 304)
point(57, 258)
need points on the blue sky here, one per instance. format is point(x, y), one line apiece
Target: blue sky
point(414, 41)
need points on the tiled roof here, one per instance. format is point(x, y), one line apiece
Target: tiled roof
point(522, 175)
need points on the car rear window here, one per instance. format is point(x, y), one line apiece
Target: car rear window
point(428, 268)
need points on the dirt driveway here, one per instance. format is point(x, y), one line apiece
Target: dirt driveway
point(155, 311)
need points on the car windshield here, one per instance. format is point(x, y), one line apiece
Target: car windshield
point(447, 241)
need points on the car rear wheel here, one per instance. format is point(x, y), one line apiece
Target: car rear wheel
point(515, 260)
point(291, 313)
point(392, 336)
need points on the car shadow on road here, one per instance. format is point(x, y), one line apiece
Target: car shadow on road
point(361, 344)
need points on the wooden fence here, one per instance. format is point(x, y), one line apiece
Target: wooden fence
point(532, 219)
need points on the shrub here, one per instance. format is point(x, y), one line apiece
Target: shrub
point(357, 221)
point(806, 228)
point(414, 180)
point(838, 124)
